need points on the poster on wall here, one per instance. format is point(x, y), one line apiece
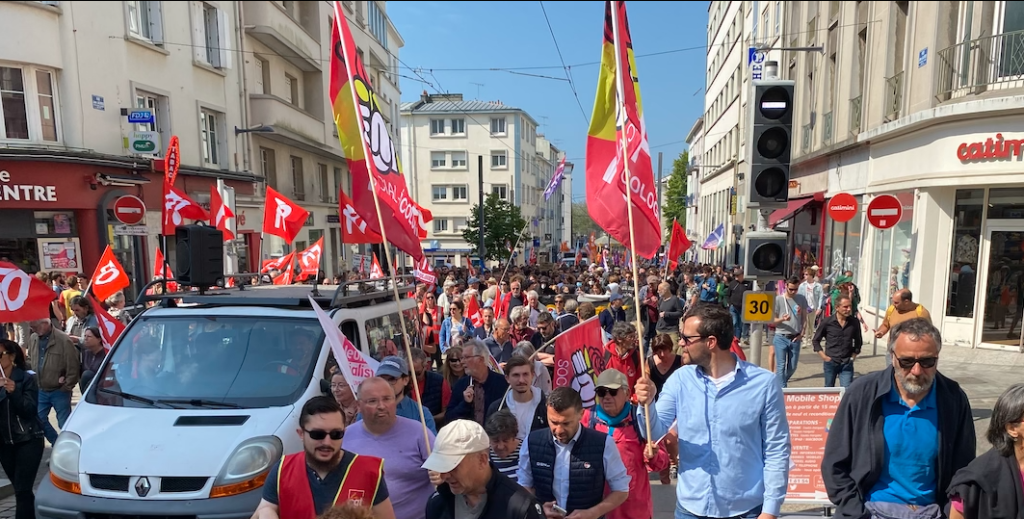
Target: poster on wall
point(61, 224)
point(64, 254)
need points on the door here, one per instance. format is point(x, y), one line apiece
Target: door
point(1003, 293)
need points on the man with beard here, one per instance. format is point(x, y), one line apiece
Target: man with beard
point(306, 484)
point(899, 434)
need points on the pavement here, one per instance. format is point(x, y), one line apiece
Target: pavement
point(983, 374)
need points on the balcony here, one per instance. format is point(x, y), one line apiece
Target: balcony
point(806, 131)
point(977, 66)
point(855, 115)
point(276, 112)
point(32, 33)
point(893, 97)
point(826, 129)
point(269, 24)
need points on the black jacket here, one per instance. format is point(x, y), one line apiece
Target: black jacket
point(855, 448)
point(989, 488)
point(540, 415)
point(505, 500)
point(19, 416)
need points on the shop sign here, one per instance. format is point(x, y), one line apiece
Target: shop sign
point(144, 142)
point(810, 412)
point(10, 192)
point(131, 230)
point(992, 148)
point(842, 207)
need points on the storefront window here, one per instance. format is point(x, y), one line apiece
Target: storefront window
point(879, 281)
point(891, 259)
point(1006, 203)
point(55, 223)
point(963, 277)
point(842, 249)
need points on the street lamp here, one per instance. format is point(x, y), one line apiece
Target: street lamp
point(262, 128)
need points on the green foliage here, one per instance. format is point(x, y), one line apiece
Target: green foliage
point(675, 194)
point(502, 221)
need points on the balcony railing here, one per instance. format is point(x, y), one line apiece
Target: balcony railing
point(826, 129)
point(975, 66)
point(806, 131)
point(855, 115)
point(893, 96)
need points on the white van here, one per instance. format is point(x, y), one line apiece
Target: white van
point(196, 401)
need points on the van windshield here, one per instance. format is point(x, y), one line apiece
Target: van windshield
point(215, 362)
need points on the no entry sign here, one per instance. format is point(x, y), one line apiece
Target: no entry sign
point(842, 207)
point(884, 211)
point(129, 210)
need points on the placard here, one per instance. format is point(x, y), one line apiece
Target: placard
point(810, 411)
point(63, 254)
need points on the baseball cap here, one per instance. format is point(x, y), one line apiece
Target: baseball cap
point(615, 297)
point(453, 442)
point(612, 379)
point(393, 367)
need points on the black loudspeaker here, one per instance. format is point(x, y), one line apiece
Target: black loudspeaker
point(200, 255)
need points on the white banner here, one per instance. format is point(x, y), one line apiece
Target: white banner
point(354, 365)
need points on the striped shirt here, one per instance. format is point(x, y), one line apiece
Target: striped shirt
point(507, 466)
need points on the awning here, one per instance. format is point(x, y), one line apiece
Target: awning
point(791, 208)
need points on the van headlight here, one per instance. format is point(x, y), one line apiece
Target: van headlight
point(64, 473)
point(247, 467)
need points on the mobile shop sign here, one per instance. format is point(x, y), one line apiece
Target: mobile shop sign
point(810, 412)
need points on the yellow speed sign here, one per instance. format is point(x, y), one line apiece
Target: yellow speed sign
point(758, 307)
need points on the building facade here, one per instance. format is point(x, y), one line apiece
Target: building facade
point(445, 139)
point(695, 144)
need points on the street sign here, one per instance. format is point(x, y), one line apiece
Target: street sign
point(758, 307)
point(129, 210)
point(141, 117)
point(131, 230)
point(842, 207)
point(144, 142)
point(884, 211)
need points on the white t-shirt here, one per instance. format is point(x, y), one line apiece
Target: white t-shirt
point(523, 412)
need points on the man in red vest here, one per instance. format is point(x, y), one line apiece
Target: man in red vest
point(306, 484)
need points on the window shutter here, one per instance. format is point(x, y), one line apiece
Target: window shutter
point(224, 38)
point(258, 63)
point(198, 31)
point(156, 23)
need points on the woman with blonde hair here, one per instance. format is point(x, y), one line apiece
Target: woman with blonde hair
point(453, 369)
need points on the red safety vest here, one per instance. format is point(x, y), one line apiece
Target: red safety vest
point(295, 498)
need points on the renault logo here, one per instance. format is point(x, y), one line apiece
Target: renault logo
point(142, 487)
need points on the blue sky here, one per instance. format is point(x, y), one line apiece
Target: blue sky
point(440, 36)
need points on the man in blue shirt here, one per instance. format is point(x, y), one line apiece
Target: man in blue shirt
point(734, 461)
point(899, 434)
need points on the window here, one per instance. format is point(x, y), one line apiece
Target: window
point(501, 190)
point(298, 179)
point(438, 159)
point(47, 120)
point(460, 193)
point(778, 17)
point(890, 262)
point(499, 159)
point(268, 166)
point(144, 21)
point(497, 126)
point(440, 225)
point(764, 23)
point(458, 159)
point(439, 193)
point(437, 126)
point(262, 76)
point(458, 126)
point(208, 122)
point(325, 186)
point(27, 104)
point(458, 225)
point(337, 180)
point(963, 278)
point(147, 101)
point(377, 22)
point(291, 90)
point(210, 40)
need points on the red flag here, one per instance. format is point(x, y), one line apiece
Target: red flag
point(474, 313)
point(353, 226)
point(469, 267)
point(221, 213)
point(22, 297)
point(172, 160)
point(178, 207)
point(161, 270)
point(605, 174)
point(279, 263)
point(285, 277)
point(371, 152)
point(282, 217)
point(424, 271)
point(109, 277)
point(375, 270)
point(309, 260)
point(579, 359)
point(678, 245)
point(110, 327)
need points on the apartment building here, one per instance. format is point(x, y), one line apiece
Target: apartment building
point(291, 128)
point(695, 145)
point(70, 77)
point(921, 101)
point(444, 137)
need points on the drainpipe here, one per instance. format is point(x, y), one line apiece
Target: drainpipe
point(244, 91)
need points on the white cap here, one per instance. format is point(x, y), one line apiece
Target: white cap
point(453, 442)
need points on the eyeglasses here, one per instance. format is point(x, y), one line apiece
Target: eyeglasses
point(603, 391)
point(339, 386)
point(690, 339)
point(319, 434)
point(467, 357)
point(925, 362)
point(374, 402)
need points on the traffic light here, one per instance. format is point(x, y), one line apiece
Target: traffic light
point(200, 255)
point(771, 127)
point(764, 255)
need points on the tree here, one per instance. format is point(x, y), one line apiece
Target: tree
point(675, 194)
point(582, 223)
point(503, 222)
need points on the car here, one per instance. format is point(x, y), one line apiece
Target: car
point(200, 396)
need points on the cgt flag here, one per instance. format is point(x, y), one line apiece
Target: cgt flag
point(371, 152)
point(677, 246)
point(618, 116)
point(22, 297)
point(580, 358)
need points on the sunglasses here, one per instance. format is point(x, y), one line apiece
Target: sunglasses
point(453, 360)
point(603, 391)
point(319, 434)
point(925, 362)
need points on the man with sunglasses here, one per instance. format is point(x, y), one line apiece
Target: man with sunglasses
point(306, 484)
point(899, 434)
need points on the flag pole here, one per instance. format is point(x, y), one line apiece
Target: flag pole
point(511, 254)
point(621, 87)
point(339, 18)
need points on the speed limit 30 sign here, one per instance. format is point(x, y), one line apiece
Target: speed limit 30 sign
point(758, 307)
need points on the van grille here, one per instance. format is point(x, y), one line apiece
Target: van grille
point(190, 484)
point(112, 483)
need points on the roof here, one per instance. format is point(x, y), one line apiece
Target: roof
point(361, 293)
point(445, 106)
point(697, 126)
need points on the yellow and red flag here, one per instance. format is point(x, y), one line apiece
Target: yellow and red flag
point(618, 139)
point(371, 152)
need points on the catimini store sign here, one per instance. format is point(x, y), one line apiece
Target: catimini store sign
point(991, 149)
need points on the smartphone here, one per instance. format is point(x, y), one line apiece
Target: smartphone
point(560, 510)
